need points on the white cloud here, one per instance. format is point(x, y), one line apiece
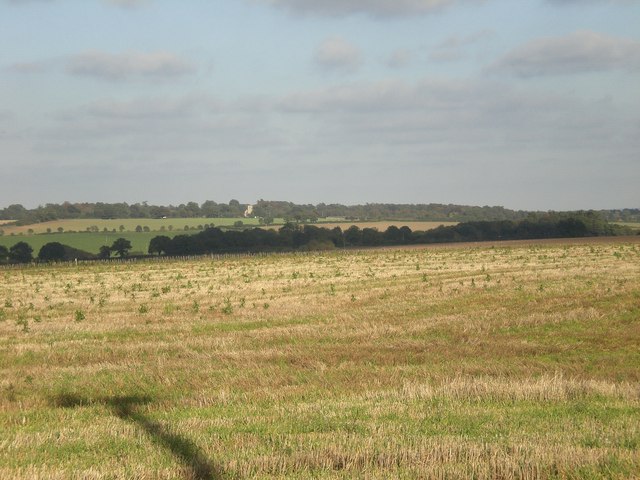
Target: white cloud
point(146, 108)
point(127, 3)
point(116, 3)
point(375, 8)
point(28, 67)
point(124, 66)
point(398, 58)
point(453, 48)
point(579, 52)
point(336, 53)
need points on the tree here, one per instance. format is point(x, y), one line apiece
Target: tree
point(139, 228)
point(353, 235)
point(21, 252)
point(159, 244)
point(105, 252)
point(52, 252)
point(4, 254)
point(121, 246)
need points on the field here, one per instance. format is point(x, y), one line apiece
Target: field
point(129, 224)
point(495, 361)
point(383, 225)
point(91, 242)
point(632, 225)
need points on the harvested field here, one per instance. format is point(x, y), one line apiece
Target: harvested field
point(515, 360)
point(382, 226)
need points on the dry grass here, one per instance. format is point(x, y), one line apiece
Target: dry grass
point(383, 225)
point(505, 361)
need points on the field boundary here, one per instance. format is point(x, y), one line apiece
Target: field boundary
point(347, 250)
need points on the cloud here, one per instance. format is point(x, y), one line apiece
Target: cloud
point(453, 48)
point(25, 2)
point(28, 67)
point(146, 108)
point(457, 116)
point(127, 3)
point(398, 59)
point(374, 8)
point(337, 54)
point(589, 2)
point(125, 66)
point(579, 52)
point(117, 3)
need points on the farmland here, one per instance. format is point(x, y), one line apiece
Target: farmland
point(514, 360)
point(128, 224)
point(89, 242)
point(92, 241)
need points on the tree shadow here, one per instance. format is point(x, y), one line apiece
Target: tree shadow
point(198, 466)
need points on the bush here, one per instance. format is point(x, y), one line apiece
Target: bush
point(21, 252)
point(52, 252)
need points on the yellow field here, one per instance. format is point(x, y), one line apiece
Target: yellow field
point(178, 224)
point(382, 226)
point(494, 361)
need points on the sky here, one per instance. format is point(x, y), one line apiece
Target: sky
point(528, 104)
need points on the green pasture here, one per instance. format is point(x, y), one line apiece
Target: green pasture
point(632, 225)
point(128, 224)
point(89, 242)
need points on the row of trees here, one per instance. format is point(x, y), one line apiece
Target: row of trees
point(310, 237)
point(383, 211)
point(268, 210)
point(67, 210)
point(22, 252)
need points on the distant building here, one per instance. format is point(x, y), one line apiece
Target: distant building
point(249, 211)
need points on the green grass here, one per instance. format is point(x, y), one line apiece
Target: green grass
point(358, 367)
point(632, 225)
point(89, 242)
point(129, 224)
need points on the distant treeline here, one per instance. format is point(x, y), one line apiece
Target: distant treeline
point(294, 236)
point(310, 237)
point(66, 210)
point(290, 212)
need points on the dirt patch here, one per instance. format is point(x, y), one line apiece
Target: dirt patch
point(523, 243)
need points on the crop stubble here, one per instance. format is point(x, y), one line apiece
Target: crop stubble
point(512, 361)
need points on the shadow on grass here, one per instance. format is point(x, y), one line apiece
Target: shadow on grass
point(124, 407)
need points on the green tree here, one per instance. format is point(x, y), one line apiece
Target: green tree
point(159, 244)
point(121, 246)
point(4, 254)
point(52, 252)
point(105, 252)
point(21, 252)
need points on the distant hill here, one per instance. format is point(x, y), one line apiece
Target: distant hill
point(268, 209)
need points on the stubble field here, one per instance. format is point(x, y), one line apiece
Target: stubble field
point(504, 361)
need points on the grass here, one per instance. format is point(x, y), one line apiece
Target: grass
point(504, 361)
point(129, 224)
point(632, 225)
point(89, 242)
